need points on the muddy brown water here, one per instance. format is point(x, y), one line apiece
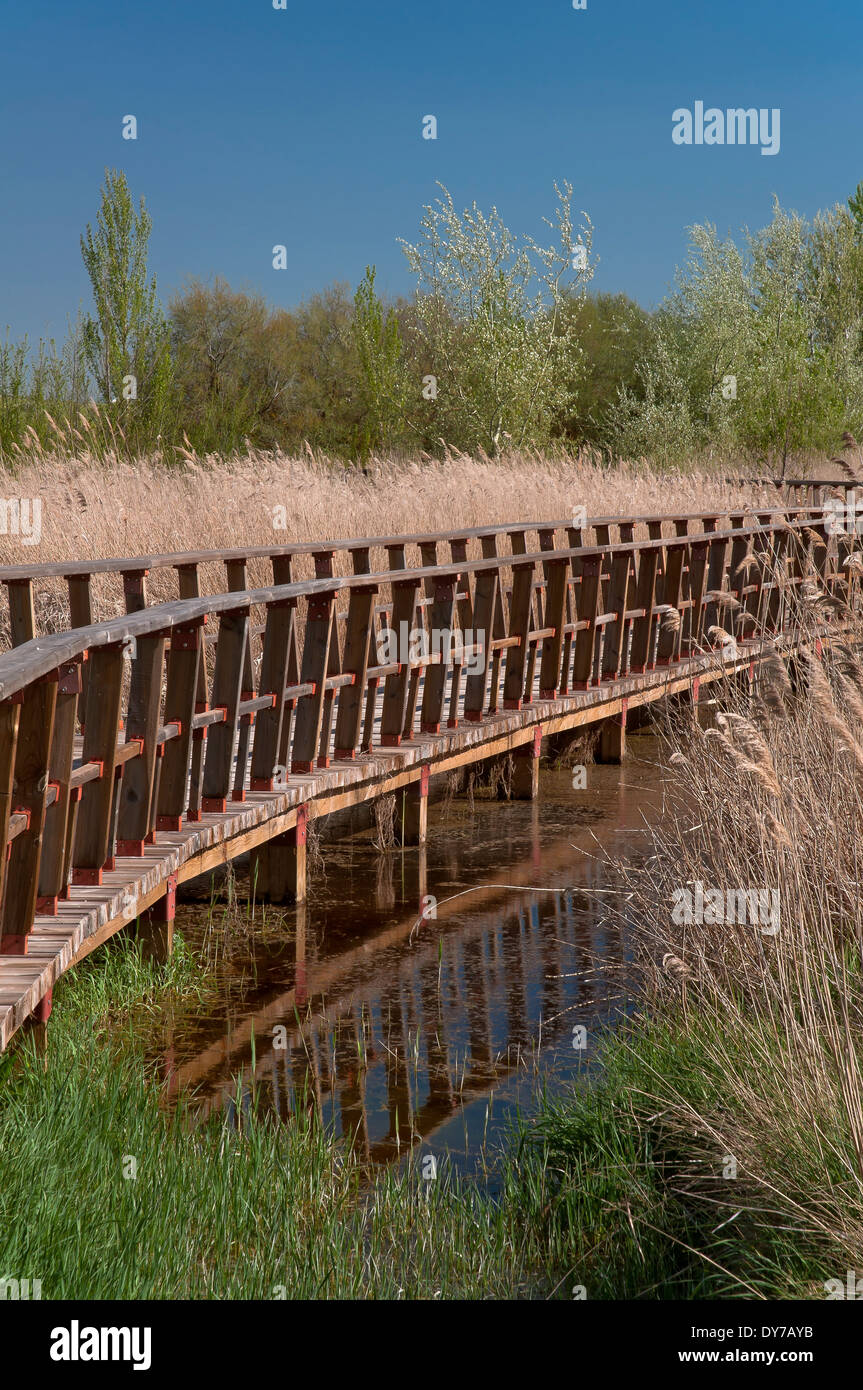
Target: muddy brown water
point(426, 1036)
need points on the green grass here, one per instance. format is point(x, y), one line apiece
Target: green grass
point(590, 1191)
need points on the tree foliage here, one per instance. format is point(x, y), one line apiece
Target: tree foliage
point(126, 342)
point(488, 322)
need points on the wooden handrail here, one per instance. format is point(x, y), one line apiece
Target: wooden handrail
point(156, 736)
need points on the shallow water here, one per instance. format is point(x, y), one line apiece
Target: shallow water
point(427, 1036)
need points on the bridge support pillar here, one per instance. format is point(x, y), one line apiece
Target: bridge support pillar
point(415, 803)
point(156, 926)
point(612, 738)
point(278, 868)
point(525, 777)
point(300, 980)
point(37, 1026)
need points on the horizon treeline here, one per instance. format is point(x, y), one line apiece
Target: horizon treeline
point(758, 352)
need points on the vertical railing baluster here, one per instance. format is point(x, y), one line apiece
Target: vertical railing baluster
point(310, 708)
point(189, 585)
point(266, 749)
point(434, 690)
point(54, 866)
point(519, 627)
point(229, 678)
point(136, 821)
point(485, 602)
point(29, 796)
point(10, 713)
point(360, 624)
point(185, 654)
point(641, 656)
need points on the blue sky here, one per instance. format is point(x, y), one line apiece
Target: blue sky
point(302, 126)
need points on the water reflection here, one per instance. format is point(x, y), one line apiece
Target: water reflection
point(397, 1032)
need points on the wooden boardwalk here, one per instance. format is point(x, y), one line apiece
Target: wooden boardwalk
point(140, 752)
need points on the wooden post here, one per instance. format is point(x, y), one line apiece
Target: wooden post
point(614, 651)
point(184, 656)
point(582, 666)
point(525, 779)
point(773, 616)
point(32, 761)
point(669, 635)
point(395, 685)
point(277, 869)
point(237, 583)
point(54, 864)
point(644, 600)
point(715, 581)
point(612, 738)
point(137, 818)
point(93, 837)
point(435, 681)
point(156, 925)
point(316, 647)
point(278, 637)
point(188, 584)
point(81, 615)
point(519, 627)
point(228, 677)
point(324, 570)
point(357, 643)
point(694, 616)
point(486, 590)
point(415, 809)
point(10, 711)
point(552, 647)
point(22, 615)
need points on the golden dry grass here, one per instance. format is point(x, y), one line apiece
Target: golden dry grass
point(90, 509)
point(770, 798)
point(98, 509)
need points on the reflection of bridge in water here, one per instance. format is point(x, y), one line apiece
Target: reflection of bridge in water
point(387, 1034)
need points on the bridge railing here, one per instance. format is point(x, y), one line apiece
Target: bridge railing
point(123, 580)
point(158, 737)
point(813, 492)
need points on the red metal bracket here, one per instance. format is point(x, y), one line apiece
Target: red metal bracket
point(14, 945)
point(130, 849)
point(87, 878)
point(532, 749)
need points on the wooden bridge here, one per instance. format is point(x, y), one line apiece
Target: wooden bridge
point(139, 752)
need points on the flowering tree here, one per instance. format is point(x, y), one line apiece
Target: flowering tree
point(488, 324)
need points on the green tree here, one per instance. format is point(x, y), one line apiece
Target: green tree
point(758, 351)
point(376, 339)
point(232, 366)
point(613, 333)
point(127, 342)
point(488, 325)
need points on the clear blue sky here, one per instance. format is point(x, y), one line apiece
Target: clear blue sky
point(302, 126)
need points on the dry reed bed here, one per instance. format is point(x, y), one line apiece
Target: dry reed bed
point(770, 797)
point(96, 509)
